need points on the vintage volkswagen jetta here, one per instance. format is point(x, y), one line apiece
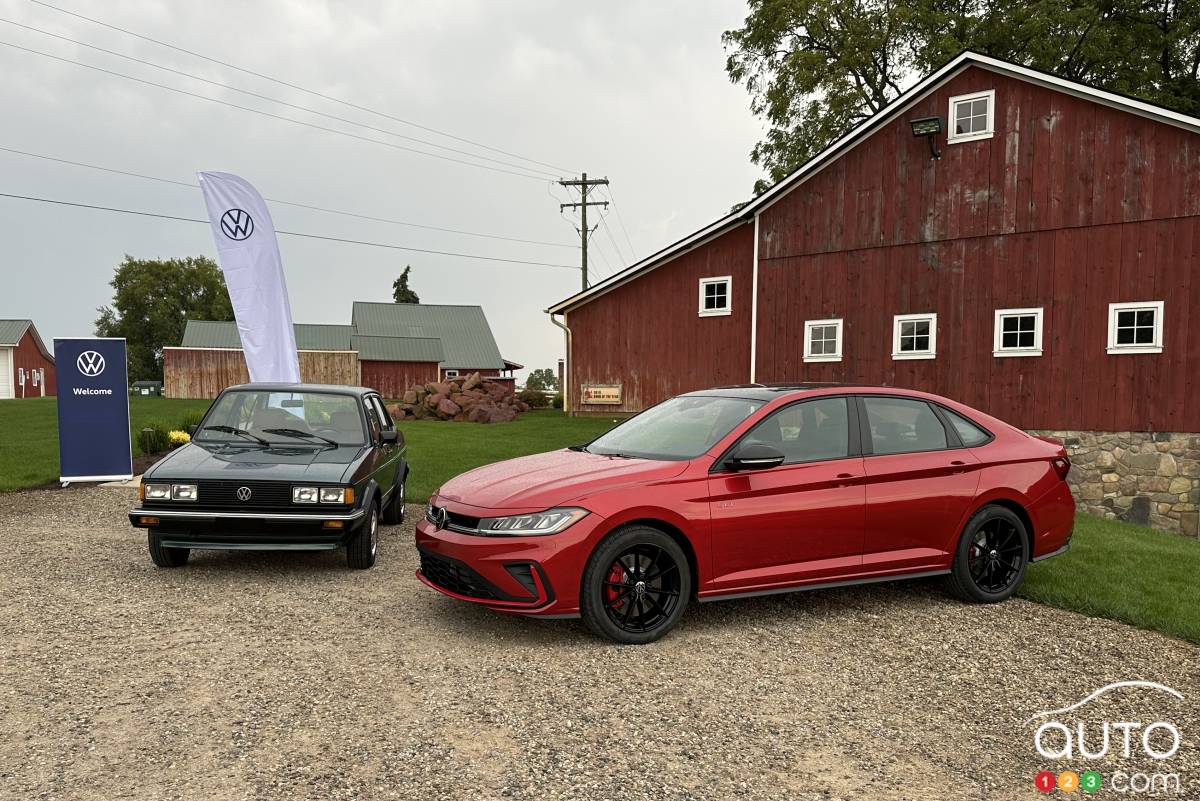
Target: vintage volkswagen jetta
point(745, 491)
point(279, 467)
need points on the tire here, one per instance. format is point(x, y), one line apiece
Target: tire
point(635, 586)
point(364, 543)
point(991, 557)
point(163, 556)
point(393, 513)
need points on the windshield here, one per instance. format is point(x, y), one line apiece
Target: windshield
point(681, 428)
point(250, 416)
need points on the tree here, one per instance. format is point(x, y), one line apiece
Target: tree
point(400, 291)
point(543, 379)
point(152, 301)
point(817, 68)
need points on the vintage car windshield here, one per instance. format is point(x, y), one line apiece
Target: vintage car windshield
point(258, 412)
point(680, 428)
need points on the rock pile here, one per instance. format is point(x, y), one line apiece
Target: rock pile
point(468, 399)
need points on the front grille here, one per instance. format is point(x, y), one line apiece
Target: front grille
point(453, 575)
point(221, 495)
point(463, 524)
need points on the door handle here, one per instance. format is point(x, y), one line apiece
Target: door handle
point(844, 479)
point(958, 466)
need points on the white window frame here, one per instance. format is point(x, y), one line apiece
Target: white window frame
point(914, 354)
point(450, 374)
point(998, 348)
point(1113, 308)
point(990, 96)
point(727, 280)
point(836, 356)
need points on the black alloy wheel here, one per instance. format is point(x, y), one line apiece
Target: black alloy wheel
point(636, 586)
point(992, 556)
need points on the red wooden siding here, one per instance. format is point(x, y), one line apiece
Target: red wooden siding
point(648, 337)
point(392, 379)
point(1070, 206)
point(27, 354)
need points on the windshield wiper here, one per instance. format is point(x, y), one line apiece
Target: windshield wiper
point(240, 432)
point(295, 432)
point(578, 448)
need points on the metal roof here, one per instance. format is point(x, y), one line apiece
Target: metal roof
point(397, 349)
point(749, 212)
point(309, 336)
point(11, 331)
point(467, 341)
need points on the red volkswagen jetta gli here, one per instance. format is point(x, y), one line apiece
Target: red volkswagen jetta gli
point(752, 490)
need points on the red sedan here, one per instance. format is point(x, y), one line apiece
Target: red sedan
point(742, 491)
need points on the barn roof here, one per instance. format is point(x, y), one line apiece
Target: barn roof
point(11, 332)
point(309, 336)
point(897, 107)
point(398, 349)
point(466, 337)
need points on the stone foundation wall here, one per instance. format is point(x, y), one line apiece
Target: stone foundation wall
point(1147, 478)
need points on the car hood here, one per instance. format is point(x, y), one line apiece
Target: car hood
point(552, 479)
point(237, 463)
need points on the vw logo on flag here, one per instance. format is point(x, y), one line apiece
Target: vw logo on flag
point(237, 224)
point(90, 363)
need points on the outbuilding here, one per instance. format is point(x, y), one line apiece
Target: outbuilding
point(26, 365)
point(1031, 251)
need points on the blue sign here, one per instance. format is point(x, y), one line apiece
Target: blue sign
point(93, 410)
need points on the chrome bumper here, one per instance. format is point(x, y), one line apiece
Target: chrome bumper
point(180, 514)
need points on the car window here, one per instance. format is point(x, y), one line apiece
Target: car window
point(329, 415)
point(968, 432)
point(385, 419)
point(903, 425)
point(680, 428)
point(372, 419)
point(807, 431)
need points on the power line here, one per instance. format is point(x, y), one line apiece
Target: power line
point(191, 185)
point(270, 99)
point(287, 233)
point(612, 240)
point(306, 124)
point(584, 185)
point(621, 222)
point(323, 96)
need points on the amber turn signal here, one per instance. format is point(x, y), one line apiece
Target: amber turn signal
point(334, 524)
point(349, 495)
point(148, 521)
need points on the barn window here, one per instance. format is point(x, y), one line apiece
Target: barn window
point(822, 340)
point(971, 116)
point(451, 374)
point(1018, 332)
point(1135, 327)
point(914, 336)
point(715, 296)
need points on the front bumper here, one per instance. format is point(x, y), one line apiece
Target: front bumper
point(537, 576)
point(197, 528)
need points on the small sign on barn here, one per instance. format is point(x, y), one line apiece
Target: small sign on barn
point(602, 393)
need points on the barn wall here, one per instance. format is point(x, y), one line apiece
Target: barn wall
point(27, 354)
point(648, 337)
point(1070, 206)
point(204, 372)
point(392, 379)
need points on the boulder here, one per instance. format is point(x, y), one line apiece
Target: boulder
point(472, 381)
point(448, 408)
point(410, 396)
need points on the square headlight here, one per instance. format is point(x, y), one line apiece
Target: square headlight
point(304, 494)
point(184, 492)
point(333, 495)
point(157, 492)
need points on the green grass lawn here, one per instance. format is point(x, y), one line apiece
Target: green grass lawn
point(1123, 572)
point(29, 434)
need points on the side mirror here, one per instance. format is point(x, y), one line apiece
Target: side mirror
point(754, 456)
point(388, 437)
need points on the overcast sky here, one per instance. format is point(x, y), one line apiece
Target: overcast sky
point(631, 90)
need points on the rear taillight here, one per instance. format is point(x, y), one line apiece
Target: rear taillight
point(1062, 466)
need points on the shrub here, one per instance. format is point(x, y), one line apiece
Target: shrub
point(178, 438)
point(557, 403)
point(533, 398)
point(192, 418)
point(154, 438)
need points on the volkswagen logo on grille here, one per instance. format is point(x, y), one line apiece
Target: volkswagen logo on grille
point(237, 224)
point(243, 494)
point(437, 516)
point(90, 363)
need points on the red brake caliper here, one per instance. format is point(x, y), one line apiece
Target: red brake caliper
point(616, 575)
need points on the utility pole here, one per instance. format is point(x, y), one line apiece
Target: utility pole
point(584, 232)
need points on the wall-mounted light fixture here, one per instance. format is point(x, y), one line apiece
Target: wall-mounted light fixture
point(929, 127)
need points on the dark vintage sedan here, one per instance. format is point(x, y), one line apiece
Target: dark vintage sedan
point(279, 467)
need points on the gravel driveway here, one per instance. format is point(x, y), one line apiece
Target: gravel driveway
point(287, 676)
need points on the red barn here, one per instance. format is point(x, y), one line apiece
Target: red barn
point(1041, 268)
point(26, 365)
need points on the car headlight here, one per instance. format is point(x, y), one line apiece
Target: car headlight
point(337, 495)
point(551, 521)
point(304, 494)
point(157, 492)
point(184, 492)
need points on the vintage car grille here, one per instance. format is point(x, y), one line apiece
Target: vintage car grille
point(455, 576)
point(221, 495)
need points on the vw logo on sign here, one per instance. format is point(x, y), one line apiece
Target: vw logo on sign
point(90, 363)
point(243, 494)
point(237, 224)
